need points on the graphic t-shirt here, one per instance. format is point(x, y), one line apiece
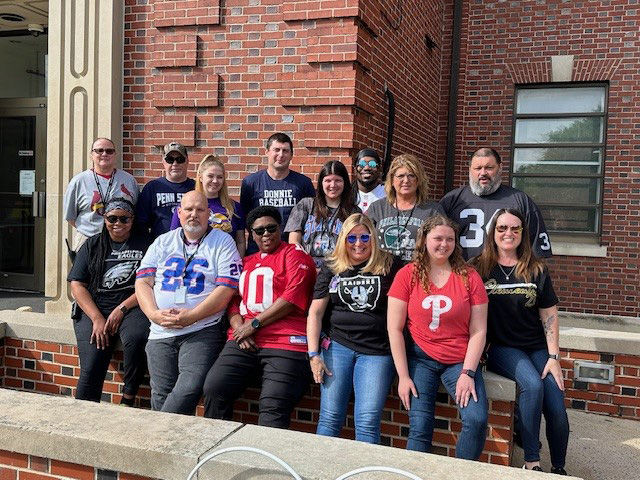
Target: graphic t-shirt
point(439, 322)
point(87, 194)
point(218, 217)
point(398, 229)
point(287, 273)
point(157, 202)
point(318, 236)
point(365, 199)
point(181, 283)
point(514, 319)
point(475, 213)
point(120, 265)
point(260, 189)
point(357, 307)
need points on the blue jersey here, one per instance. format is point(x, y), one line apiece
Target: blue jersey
point(260, 189)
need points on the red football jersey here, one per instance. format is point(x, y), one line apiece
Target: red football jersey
point(287, 273)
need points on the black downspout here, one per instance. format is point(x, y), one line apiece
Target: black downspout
point(450, 158)
point(390, 125)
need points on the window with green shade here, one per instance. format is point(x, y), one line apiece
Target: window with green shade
point(558, 154)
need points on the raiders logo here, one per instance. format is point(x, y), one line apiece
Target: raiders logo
point(359, 293)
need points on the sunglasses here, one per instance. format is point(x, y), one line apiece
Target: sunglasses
point(371, 163)
point(364, 238)
point(100, 151)
point(268, 228)
point(114, 218)
point(177, 159)
point(504, 228)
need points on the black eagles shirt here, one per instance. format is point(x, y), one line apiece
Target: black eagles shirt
point(357, 308)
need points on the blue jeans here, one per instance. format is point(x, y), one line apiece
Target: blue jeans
point(536, 396)
point(369, 376)
point(426, 374)
point(179, 365)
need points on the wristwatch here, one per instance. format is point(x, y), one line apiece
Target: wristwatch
point(555, 356)
point(310, 355)
point(255, 323)
point(124, 309)
point(470, 373)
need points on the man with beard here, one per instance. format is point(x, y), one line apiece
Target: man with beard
point(474, 206)
point(368, 175)
point(183, 285)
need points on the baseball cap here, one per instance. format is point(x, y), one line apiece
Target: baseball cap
point(175, 147)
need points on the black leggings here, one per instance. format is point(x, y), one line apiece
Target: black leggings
point(133, 333)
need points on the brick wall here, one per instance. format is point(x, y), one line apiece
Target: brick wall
point(506, 43)
point(53, 368)
point(16, 466)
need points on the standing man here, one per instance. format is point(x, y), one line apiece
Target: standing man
point(368, 176)
point(277, 186)
point(89, 191)
point(474, 206)
point(161, 196)
point(183, 285)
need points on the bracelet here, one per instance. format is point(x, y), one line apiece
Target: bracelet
point(310, 355)
point(555, 356)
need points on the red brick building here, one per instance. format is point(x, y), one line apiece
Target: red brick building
point(551, 84)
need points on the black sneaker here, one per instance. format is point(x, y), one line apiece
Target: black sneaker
point(559, 471)
point(537, 468)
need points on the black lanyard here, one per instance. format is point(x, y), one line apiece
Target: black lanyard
point(103, 198)
point(184, 250)
point(408, 218)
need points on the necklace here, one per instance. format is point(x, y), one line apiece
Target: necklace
point(113, 249)
point(507, 275)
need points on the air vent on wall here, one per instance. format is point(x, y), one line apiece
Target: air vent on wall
point(11, 17)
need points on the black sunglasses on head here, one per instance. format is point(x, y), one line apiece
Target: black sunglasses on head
point(114, 218)
point(272, 228)
point(178, 159)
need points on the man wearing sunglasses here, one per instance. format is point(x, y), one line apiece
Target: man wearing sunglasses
point(161, 196)
point(473, 206)
point(368, 175)
point(89, 191)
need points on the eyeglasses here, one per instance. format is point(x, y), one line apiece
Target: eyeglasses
point(100, 151)
point(364, 238)
point(178, 159)
point(504, 228)
point(409, 176)
point(114, 218)
point(267, 228)
point(371, 163)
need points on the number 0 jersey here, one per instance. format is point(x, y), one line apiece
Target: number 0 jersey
point(215, 261)
point(475, 213)
point(288, 273)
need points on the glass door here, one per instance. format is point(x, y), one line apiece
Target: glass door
point(22, 193)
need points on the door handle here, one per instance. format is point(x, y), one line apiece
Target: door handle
point(38, 203)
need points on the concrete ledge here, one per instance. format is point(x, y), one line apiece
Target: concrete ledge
point(571, 249)
point(168, 446)
point(601, 341)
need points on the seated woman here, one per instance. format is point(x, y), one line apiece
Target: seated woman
point(267, 331)
point(102, 283)
point(226, 213)
point(523, 334)
point(398, 216)
point(353, 286)
point(446, 306)
point(315, 223)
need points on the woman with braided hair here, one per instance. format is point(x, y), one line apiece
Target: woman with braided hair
point(102, 283)
point(444, 305)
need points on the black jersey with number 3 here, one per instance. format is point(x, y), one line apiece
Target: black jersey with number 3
point(475, 213)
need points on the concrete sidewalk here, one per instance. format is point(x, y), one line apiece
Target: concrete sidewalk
point(600, 448)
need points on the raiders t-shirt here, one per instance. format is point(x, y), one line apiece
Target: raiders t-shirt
point(513, 318)
point(398, 229)
point(357, 309)
point(120, 267)
point(475, 213)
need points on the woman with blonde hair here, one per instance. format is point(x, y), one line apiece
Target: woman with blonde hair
point(443, 303)
point(352, 286)
point(398, 216)
point(226, 214)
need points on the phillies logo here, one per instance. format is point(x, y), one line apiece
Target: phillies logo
point(438, 304)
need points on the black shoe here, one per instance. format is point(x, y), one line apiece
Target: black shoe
point(559, 471)
point(537, 468)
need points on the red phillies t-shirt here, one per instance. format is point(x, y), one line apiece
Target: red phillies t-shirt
point(288, 273)
point(439, 322)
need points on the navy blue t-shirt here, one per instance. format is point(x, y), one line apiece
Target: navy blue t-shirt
point(156, 203)
point(260, 189)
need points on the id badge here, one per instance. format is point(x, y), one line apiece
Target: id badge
point(181, 295)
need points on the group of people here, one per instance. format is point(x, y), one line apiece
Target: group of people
point(350, 284)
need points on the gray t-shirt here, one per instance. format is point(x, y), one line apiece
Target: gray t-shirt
point(398, 229)
point(87, 193)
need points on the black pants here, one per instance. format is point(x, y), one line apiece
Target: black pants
point(133, 333)
point(285, 377)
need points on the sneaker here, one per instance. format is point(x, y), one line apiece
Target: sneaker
point(537, 468)
point(559, 471)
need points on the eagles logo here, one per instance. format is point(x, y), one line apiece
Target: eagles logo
point(119, 274)
point(397, 238)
